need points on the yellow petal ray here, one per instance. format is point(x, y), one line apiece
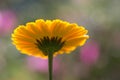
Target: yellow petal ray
point(48, 23)
point(76, 41)
point(74, 35)
point(22, 30)
point(34, 29)
point(75, 32)
point(26, 46)
point(21, 35)
point(66, 50)
point(44, 27)
point(18, 38)
point(36, 53)
point(22, 39)
point(57, 27)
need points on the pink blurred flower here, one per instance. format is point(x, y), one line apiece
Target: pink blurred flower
point(7, 21)
point(89, 53)
point(41, 65)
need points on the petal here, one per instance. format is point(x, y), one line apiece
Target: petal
point(58, 27)
point(76, 41)
point(31, 26)
point(44, 27)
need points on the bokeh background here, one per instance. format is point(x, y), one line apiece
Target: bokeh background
point(98, 59)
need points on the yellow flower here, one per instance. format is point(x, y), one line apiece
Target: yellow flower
point(41, 37)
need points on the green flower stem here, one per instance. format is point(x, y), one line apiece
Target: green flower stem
point(50, 64)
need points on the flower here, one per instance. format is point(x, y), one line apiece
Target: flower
point(41, 65)
point(89, 53)
point(7, 21)
point(41, 38)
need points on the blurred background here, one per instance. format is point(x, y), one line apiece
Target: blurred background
point(98, 59)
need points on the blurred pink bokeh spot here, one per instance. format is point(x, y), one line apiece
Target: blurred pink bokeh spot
point(89, 53)
point(7, 21)
point(41, 65)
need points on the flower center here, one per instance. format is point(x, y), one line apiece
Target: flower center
point(49, 45)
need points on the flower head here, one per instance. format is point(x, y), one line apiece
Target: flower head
point(41, 37)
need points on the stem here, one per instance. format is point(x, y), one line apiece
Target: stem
point(50, 64)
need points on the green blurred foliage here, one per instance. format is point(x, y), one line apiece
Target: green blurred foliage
point(100, 17)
